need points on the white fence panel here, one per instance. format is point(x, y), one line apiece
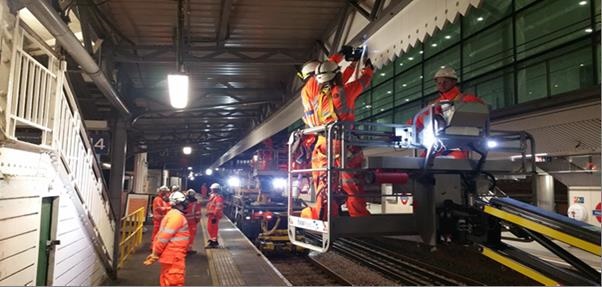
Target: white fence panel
point(40, 98)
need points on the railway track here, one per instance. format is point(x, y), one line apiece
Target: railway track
point(397, 267)
point(304, 271)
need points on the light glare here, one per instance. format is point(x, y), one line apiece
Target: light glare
point(187, 150)
point(234, 181)
point(428, 137)
point(279, 183)
point(178, 90)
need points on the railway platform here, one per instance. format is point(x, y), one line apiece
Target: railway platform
point(236, 263)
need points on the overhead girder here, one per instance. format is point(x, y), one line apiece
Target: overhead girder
point(188, 130)
point(370, 15)
point(208, 112)
point(290, 113)
point(221, 55)
point(392, 9)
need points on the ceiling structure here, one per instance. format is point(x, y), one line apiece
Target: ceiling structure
point(242, 56)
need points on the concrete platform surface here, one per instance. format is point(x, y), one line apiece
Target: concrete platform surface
point(237, 262)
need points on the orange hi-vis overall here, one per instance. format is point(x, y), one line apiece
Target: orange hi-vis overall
point(452, 95)
point(311, 90)
point(215, 207)
point(160, 208)
point(171, 245)
point(338, 104)
point(204, 191)
point(193, 217)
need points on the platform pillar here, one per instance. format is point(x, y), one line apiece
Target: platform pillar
point(543, 186)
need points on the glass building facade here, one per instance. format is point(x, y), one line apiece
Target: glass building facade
point(507, 52)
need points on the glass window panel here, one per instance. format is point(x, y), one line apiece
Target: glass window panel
point(598, 60)
point(571, 71)
point(363, 106)
point(442, 40)
point(449, 58)
point(597, 14)
point(408, 86)
point(489, 12)
point(522, 3)
point(383, 74)
point(549, 24)
point(488, 50)
point(409, 59)
point(382, 97)
point(296, 125)
point(532, 83)
point(430, 98)
point(497, 90)
point(404, 113)
point(384, 118)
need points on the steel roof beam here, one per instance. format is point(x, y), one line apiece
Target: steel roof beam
point(126, 49)
point(192, 59)
point(222, 29)
point(152, 131)
point(217, 90)
point(55, 25)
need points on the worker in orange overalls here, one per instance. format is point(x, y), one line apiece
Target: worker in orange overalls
point(309, 98)
point(204, 191)
point(446, 80)
point(336, 102)
point(193, 216)
point(160, 208)
point(171, 243)
point(311, 89)
point(215, 207)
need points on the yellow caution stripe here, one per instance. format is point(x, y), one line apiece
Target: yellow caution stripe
point(518, 267)
point(545, 230)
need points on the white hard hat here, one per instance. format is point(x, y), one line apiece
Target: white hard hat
point(175, 188)
point(177, 198)
point(163, 189)
point(309, 68)
point(215, 186)
point(326, 71)
point(190, 192)
point(446, 72)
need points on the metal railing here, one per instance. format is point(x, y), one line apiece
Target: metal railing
point(340, 135)
point(32, 89)
point(39, 98)
point(131, 234)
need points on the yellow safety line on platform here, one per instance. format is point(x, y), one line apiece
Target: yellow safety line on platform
point(527, 271)
point(531, 225)
point(212, 272)
point(220, 258)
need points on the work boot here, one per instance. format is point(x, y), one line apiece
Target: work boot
point(190, 252)
point(211, 244)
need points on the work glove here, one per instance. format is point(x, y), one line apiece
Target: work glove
point(346, 51)
point(368, 64)
point(150, 259)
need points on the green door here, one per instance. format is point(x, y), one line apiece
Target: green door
point(44, 245)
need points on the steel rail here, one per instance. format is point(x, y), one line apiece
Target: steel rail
point(396, 266)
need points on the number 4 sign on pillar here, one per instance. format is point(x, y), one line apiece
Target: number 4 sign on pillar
point(101, 143)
